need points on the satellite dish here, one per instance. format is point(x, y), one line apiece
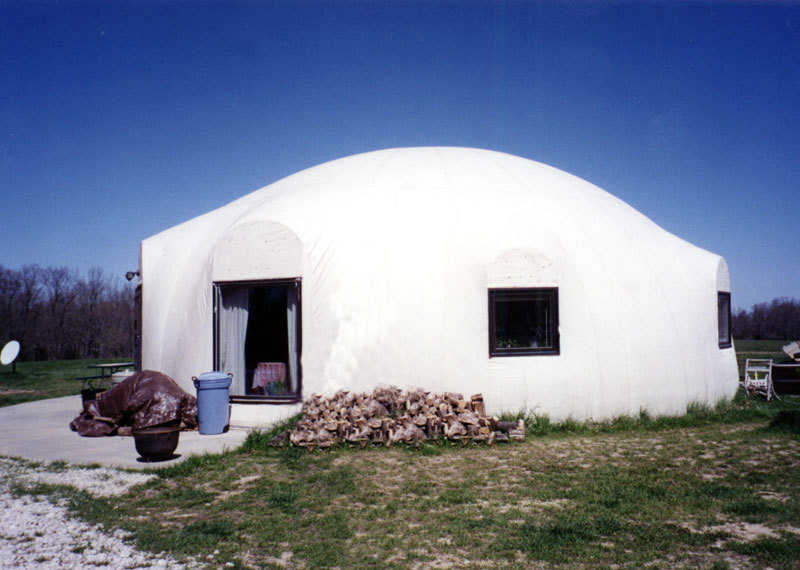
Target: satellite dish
point(9, 352)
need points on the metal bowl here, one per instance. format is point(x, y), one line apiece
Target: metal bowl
point(157, 443)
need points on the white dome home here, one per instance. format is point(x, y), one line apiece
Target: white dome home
point(452, 269)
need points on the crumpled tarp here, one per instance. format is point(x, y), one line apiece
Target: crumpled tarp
point(145, 399)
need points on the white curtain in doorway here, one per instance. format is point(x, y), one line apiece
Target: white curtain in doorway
point(232, 335)
point(291, 321)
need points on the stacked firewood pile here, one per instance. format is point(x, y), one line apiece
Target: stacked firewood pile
point(390, 415)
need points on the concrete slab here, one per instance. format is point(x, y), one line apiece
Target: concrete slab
point(261, 416)
point(39, 431)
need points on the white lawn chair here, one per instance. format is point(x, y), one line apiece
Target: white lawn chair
point(758, 377)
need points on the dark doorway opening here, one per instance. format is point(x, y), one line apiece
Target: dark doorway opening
point(257, 338)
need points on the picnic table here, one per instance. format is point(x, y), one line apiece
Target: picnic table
point(105, 371)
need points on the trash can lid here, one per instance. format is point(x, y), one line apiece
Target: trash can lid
point(213, 375)
point(212, 381)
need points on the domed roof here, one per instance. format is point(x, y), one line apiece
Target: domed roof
point(440, 189)
point(431, 204)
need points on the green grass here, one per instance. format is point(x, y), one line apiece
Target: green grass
point(41, 380)
point(783, 552)
point(741, 409)
point(630, 492)
point(633, 492)
point(760, 345)
point(787, 421)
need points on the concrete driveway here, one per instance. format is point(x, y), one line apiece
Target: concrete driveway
point(39, 431)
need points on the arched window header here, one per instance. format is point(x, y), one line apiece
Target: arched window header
point(523, 268)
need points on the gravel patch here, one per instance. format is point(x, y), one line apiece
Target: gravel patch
point(103, 482)
point(35, 533)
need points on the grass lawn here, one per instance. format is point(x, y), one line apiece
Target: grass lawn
point(716, 488)
point(46, 379)
point(761, 346)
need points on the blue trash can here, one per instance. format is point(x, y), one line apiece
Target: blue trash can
point(213, 410)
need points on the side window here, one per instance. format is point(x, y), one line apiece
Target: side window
point(523, 322)
point(724, 319)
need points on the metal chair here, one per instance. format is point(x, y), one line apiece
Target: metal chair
point(758, 377)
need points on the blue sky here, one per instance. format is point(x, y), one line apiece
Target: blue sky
point(120, 120)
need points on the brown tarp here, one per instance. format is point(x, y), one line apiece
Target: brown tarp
point(146, 399)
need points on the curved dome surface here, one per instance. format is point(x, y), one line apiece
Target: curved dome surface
point(397, 251)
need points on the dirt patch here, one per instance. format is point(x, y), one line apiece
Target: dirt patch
point(445, 561)
point(285, 560)
point(744, 531)
point(770, 496)
point(525, 505)
point(741, 531)
point(238, 487)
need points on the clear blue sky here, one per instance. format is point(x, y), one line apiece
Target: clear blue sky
point(118, 121)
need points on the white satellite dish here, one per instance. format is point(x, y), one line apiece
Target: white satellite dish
point(9, 352)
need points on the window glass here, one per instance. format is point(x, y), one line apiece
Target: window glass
point(523, 321)
point(724, 319)
point(257, 338)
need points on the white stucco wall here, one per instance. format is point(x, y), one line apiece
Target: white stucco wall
point(397, 250)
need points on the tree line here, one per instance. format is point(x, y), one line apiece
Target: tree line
point(57, 314)
point(776, 319)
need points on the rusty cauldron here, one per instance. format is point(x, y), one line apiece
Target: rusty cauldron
point(157, 443)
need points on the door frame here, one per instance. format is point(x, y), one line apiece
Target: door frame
point(216, 293)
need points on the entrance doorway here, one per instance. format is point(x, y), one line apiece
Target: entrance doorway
point(257, 338)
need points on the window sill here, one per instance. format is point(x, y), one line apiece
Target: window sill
point(525, 353)
point(265, 400)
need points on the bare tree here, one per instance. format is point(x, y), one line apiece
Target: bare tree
point(777, 319)
point(54, 313)
point(28, 300)
point(10, 287)
point(60, 288)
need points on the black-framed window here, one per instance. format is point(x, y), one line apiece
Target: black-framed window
point(523, 321)
point(724, 319)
